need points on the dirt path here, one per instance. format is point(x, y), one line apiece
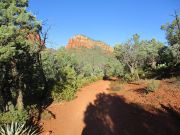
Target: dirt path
point(98, 110)
point(69, 115)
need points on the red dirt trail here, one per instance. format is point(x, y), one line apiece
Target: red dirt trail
point(69, 115)
point(98, 110)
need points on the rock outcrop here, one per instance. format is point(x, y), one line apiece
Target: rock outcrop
point(83, 41)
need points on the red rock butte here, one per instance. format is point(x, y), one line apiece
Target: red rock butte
point(83, 41)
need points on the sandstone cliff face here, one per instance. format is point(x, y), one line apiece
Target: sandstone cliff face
point(83, 41)
point(36, 39)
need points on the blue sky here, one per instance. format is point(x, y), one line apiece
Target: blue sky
point(111, 21)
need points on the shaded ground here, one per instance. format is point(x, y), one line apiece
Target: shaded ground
point(70, 115)
point(99, 111)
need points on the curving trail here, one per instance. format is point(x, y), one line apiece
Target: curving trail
point(97, 110)
point(70, 115)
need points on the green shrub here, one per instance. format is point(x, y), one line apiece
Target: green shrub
point(33, 112)
point(18, 129)
point(116, 86)
point(14, 116)
point(63, 92)
point(129, 78)
point(152, 86)
point(66, 86)
point(86, 80)
point(47, 115)
point(142, 73)
point(69, 70)
point(68, 93)
point(67, 90)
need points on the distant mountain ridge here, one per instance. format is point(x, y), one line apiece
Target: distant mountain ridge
point(83, 41)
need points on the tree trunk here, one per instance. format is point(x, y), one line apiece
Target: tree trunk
point(131, 70)
point(19, 104)
point(19, 87)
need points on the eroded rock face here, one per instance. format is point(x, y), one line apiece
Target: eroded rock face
point(83, 41)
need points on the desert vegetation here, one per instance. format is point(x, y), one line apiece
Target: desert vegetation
point(33, 76)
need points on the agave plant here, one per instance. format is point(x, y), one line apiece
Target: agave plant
point(18, 129)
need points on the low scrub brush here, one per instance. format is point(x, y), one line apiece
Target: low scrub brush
point(152, 86)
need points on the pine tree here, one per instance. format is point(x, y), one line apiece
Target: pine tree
point(18, 51)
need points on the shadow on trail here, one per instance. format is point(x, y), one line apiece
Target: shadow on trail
point(112, 115)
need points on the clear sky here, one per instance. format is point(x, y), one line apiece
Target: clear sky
point(111, 21)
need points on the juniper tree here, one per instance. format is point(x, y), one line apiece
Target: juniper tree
point(173, 37)
point(19, 48)
point(136, 54)
point(172, 30)
point(131, 54)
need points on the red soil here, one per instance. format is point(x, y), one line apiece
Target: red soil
point(98, 111)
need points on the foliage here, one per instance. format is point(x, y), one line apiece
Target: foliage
point(47, 115)
point(94, 61)
point(29, 73)
point(33, 112)
point(136, 55)
point(129, 77)
point(175, 49)
point(172, 30)
point(166, 56)
point(14, 116)
point(18, 129)
point(60, 74)
point(21, 74)
point(173, 36)
point(82, 81)
point(68, 70)
point(113, 67)
point(152, 49)
point(152, 86)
